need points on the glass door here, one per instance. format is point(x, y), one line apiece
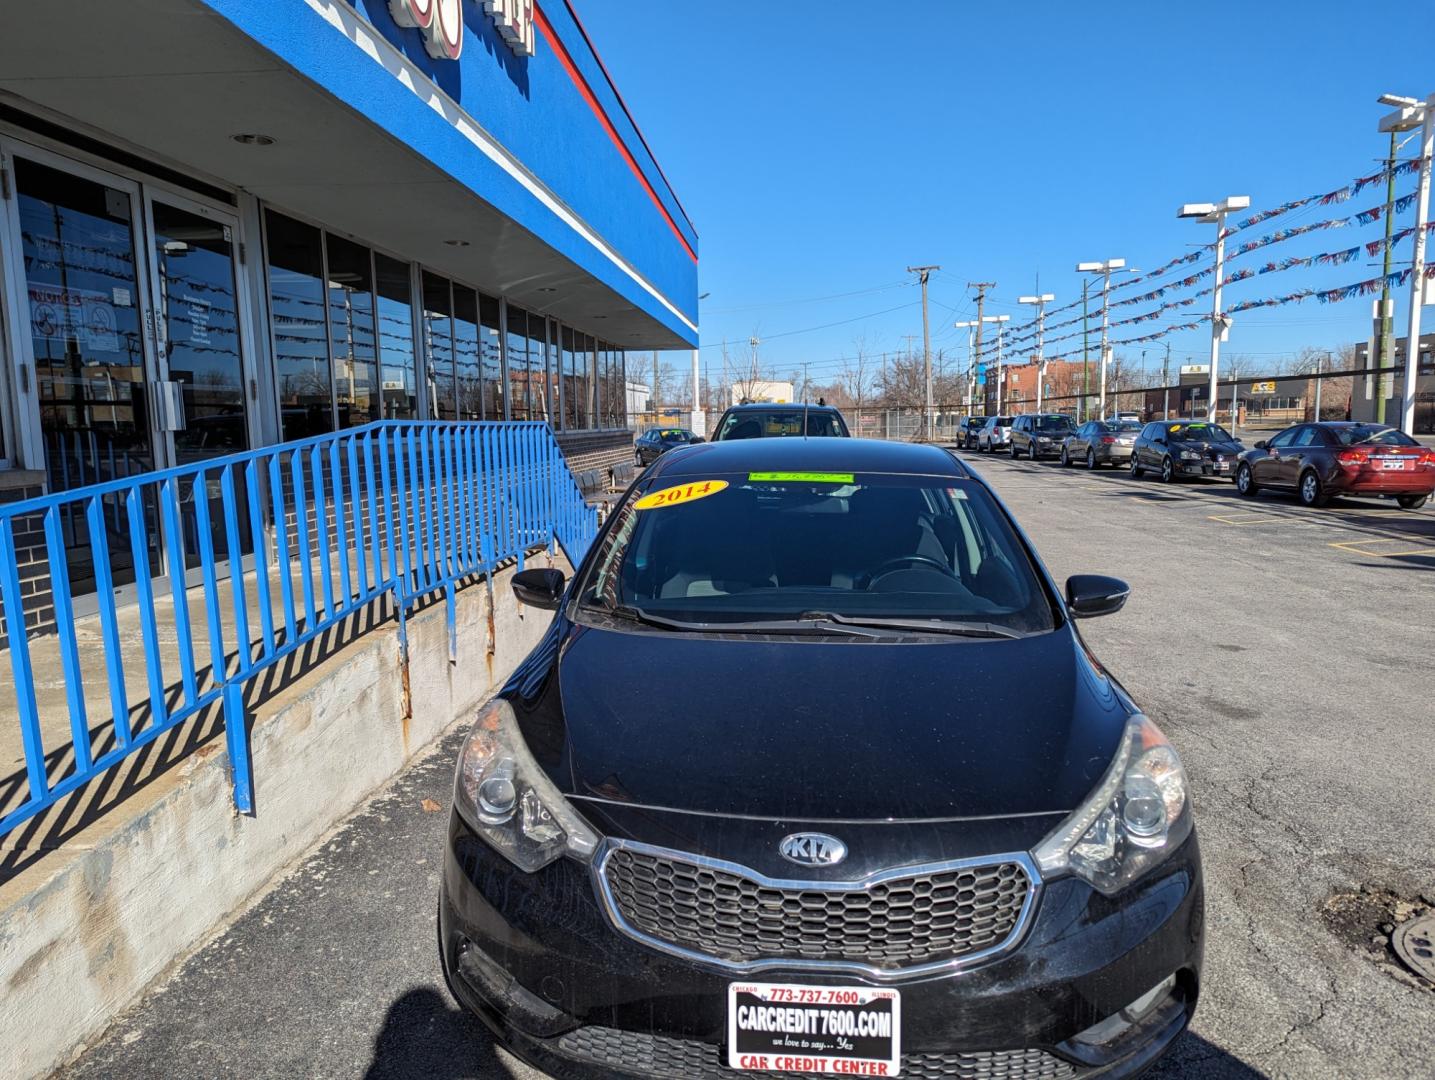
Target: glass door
point(201, 358)
point(86, 293)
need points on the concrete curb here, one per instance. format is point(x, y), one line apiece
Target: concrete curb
point(85, 930)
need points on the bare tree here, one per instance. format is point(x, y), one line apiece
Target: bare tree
point(856, 375)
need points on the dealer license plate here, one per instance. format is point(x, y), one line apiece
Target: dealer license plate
point(1392, 463)
point(831, 1030)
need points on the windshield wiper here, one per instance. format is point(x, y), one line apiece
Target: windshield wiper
point(933, 626)
point(761, 626)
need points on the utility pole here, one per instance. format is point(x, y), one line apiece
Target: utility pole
point(804, 379)
point(653, 397)
point(923, 272)
point(981, 287)
point(1384, 355)
point(1040, 300)
point(1166, 383)
point(1408, 115)
point(1215, 214)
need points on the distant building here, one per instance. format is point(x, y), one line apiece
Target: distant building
point(1391, 385)
point(779, 393)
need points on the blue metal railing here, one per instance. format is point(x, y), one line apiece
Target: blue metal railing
point(394, 509)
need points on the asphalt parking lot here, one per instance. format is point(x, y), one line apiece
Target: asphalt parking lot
point(1285, 651)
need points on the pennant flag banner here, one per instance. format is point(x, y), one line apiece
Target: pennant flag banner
point(1355, 187)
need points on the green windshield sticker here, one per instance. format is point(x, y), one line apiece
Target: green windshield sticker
point(802, 477)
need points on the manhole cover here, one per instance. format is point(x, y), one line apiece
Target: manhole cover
point(1414, 943)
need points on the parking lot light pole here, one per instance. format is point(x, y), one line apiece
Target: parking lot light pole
point(1408, 115)
point(1040, 301)
point(1208, 213)
point(999, 320)
point(1104, 269)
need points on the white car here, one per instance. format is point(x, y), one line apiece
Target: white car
point(995, 434)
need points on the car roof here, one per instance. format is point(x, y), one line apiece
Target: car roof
point(801, 454)
point(765, 406)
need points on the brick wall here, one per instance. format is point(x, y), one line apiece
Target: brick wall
point(30, 555)
point(596, 451)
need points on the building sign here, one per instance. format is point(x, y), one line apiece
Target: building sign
point(1267, 387)
point(441, 23)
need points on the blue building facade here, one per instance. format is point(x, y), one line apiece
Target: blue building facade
point(226, 224)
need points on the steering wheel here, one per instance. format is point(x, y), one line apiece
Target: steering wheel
point(909, 560)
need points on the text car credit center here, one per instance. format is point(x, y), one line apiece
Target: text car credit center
point(898, 821)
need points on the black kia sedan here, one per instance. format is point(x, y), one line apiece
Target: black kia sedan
point(1179, 448)
point(814, 773)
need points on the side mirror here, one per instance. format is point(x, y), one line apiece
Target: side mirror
point(1261, 445)
point(539, 588)
point(1089, 595)
point(697, 439)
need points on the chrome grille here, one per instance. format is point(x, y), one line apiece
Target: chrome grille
point(637, 1053)
point(930, 916)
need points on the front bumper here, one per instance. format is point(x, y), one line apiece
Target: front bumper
point(1220, 469)
point(536, 958)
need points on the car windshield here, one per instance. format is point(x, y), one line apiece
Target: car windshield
point(765, 423)
point(1003, 421)
point(750, 548)
point(1121, 425)
point(1053, 423)
point(1198, 433)
point(675, 436)
point(1372, 435)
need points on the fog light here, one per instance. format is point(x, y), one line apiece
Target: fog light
point(1117, 1024)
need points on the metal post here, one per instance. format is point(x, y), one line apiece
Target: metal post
point(1318, 381)
point(698, 421)
point(1081, 401)
point(1385, 355)
point(1105, 317)
point(1417, 268)
point(1166, 382)
point(1217, 323)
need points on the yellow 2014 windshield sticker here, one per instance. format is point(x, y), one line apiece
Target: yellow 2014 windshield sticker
point(801, 477)
point(698, 489)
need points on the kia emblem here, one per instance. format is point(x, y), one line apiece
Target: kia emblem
point(812, 849)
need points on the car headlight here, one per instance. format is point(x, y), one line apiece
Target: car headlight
point(508, 799)
point(1190, 455)
point(1138, 814)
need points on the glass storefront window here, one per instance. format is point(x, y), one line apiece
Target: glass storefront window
point(396, 339)
point(516, 343)
point(545, 404)
point(465, 349)
point(570, 380)
point(301, 351)
point(195, 260)
point(351, 331)
point(587, 362)
point(438, 347)
point(490, 352)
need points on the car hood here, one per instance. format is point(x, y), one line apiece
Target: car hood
point(835, 729)
point(1230, 449)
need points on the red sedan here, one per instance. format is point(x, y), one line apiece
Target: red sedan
point(1317, 461)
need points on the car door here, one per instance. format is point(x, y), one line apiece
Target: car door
point(1271, 469)
point(1153, 445)
point(1305, 442)
point(1082, 440)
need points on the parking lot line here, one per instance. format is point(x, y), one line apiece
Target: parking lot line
point(1245, 519)
point(1359, 547)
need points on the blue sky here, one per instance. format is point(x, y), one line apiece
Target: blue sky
point(822, 146)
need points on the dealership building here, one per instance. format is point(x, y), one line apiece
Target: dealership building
point(227, 224)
